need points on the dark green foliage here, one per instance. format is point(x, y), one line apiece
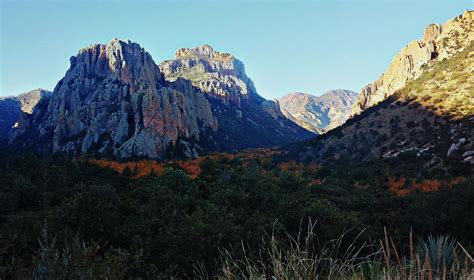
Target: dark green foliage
point(411, 124)
point(163, 225)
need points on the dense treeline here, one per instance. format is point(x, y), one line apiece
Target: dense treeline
point(172, 223)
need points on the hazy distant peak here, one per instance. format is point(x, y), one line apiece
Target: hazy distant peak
point(336, 96)
point(318, 113)
point(297, 94)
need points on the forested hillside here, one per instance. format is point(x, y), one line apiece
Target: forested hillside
point(56, 210)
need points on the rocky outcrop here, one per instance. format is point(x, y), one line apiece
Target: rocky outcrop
point(455, 146)
point(115, 101)
point(236, 103)
point(318, 113)
point(12, 107)
point(438, 42)
point(217, 74)
point(29, 100)
point(468, 157)
point(272, 107)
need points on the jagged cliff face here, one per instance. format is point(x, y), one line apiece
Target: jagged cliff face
point(318, 113)
point(115, 101)
point(218, 74)
point(438, 42)
point(245, 116)
point(12, 107)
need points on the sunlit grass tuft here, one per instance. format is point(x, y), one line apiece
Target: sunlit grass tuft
point(301, 258)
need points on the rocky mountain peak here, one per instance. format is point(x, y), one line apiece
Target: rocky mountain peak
point(29, 100)
point(119, 59)
point(439, 41)
point(432, 32)
point(114, 102)
point(205, 52)
point(295, 95)
point(318, 113)
point(13, 107)
point(220, 75)
point(337, 97)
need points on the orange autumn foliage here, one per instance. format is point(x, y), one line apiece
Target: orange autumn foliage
point(192, 167)
point(401, 187)
point(139, 168)
point(427, 185)
point(286, 166)
point(298, 166)
point(397, 186)
point(146, 167)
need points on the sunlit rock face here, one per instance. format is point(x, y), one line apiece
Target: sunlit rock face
point(222, 78)
point(318, 113)
point(438, 42)
point(115, 101)
point(217, 74)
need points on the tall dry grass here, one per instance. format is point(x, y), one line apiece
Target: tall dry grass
point(296, 257)
point(432, 258)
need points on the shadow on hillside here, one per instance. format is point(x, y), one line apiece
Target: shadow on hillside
point(392, 130)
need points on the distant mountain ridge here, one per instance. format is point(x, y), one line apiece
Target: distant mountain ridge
point(318, 113)
point(11, 108)
point(116, 101)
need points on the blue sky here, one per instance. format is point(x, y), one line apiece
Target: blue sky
point(286, 46)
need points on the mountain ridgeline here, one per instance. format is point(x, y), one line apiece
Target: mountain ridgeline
point(318, 113)
point(439, 41)
point(386, 192)
point(115, 101)
point(429, 120)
